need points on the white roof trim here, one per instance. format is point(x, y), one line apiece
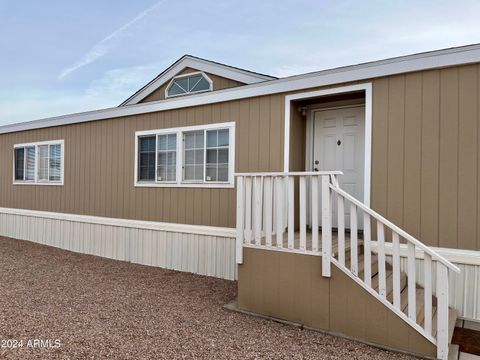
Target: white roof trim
point(229, 72)
point(425, 61)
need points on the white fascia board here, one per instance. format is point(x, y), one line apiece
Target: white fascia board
point(433, 60)
point(225, 71)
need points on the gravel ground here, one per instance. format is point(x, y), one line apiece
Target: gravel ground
point(99, 308)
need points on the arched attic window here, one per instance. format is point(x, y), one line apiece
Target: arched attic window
point(191, 83)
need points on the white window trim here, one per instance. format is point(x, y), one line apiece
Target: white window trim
point(179, 175)
point(191, 92)
point(36, 181)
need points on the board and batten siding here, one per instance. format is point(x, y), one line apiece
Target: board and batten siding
point(219, 83)
point(425, 159)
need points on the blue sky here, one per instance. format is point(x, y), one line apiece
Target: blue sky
point(59, 57)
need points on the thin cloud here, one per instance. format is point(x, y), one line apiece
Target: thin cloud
point(101, 48)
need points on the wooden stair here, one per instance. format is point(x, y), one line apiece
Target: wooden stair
point(420, 299)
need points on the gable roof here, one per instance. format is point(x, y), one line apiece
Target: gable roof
point(189, 61)
point(404, 64)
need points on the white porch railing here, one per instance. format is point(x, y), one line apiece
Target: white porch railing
point(267, 206)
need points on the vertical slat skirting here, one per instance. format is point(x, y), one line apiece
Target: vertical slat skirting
point(200, 254)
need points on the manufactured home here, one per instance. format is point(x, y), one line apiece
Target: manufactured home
point(346, 200)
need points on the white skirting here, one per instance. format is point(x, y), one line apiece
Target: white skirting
point(197, 249)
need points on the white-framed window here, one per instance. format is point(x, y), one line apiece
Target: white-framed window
point(193, 156)
point(190, 83)
point(39, 163)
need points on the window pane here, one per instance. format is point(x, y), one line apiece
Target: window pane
point(212, 136)
point(30, 168)
point(211, 173)
point(223, 137)
point(212, 156)
point(222, 173)
point(162, 142)
point(199, 140)
point(146, 158)
point(202, 85)
point(193, 80)
point(172, 142)
point(19, 163)
point(55, 163)
point(182, 83)
point(43, 162)
point(175, 90)
point(223, 156)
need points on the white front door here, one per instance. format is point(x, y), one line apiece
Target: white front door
point(339, 144)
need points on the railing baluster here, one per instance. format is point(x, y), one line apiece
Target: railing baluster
point(291, 211)
point(314, 184)
point(412, 287)
point(367, 251)
point(341, 229)
point(382, 286)
point(248, 209)
point(427, 263)
point(326, 227)
point(442, 311)
point(303, 213)
point(396, 269)
point(257, 211)
point(268, 210)
point(279, 210)
point(240, 219)
point(353, 240)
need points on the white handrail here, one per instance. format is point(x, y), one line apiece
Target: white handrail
point(395, 228)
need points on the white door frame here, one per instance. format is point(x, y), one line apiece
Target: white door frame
point(367, 88)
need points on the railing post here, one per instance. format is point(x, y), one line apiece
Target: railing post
point(442, 311)
point(240, 218)
point(326, 227)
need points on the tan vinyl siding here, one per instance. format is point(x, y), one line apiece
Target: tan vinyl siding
point(99, 165)
point(219, 83)
point(425, 159)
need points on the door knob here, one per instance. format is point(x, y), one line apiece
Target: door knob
point(339, 142)
point(317, 162)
